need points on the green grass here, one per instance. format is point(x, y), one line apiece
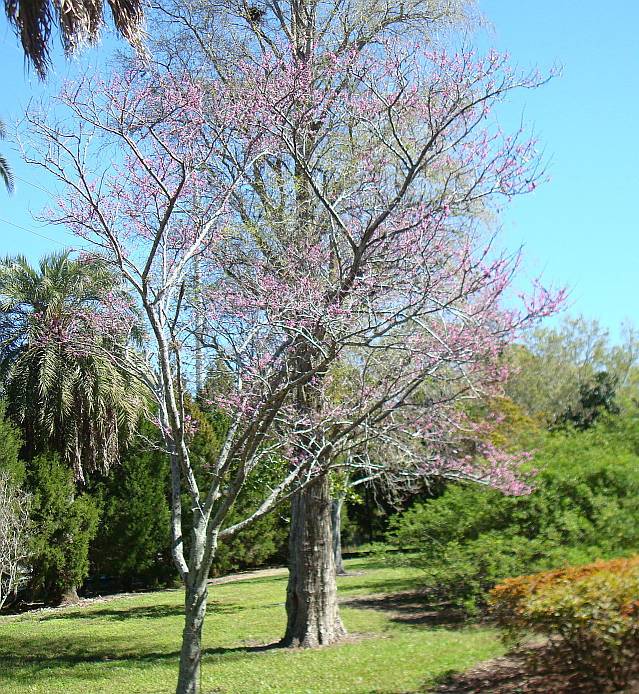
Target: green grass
point(131, 644)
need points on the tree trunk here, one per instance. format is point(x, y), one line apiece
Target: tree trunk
point(311, 596)
point(336, 524)
point(69, 596)
point(191, 653)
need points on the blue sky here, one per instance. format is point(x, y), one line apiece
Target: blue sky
point(20, 232)
point(580, 230)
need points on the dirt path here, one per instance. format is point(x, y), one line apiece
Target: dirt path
point(245, 575)
point(512, 674)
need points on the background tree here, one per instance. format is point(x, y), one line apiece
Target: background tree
point(264, 540)
point(595, 399)
point(10, 446)
point(15, 523)
point(553, 368)
point(133, 543)
point(66, 523)
point(64, 345)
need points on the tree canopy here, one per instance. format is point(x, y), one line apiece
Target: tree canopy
point(61, 359)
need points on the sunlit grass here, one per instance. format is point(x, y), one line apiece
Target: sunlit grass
point(131, 644)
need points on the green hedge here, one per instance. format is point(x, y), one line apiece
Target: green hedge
point(585, 507)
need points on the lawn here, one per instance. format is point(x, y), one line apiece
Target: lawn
point(130, 644)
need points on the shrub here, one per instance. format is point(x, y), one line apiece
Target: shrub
point(64, 524)
point(464, 572)
point(584, 507)
point(590, 613)
point(133, 543)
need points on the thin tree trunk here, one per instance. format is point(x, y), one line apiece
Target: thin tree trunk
point(311, 598)
point(336, 524)
point(191, 653)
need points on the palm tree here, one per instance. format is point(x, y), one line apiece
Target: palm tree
point(5, 170)
point(62, 365)
point(79, 22)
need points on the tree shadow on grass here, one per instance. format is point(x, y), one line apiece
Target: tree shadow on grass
point(115, 613)
point(257, 581)
point(410, 607)
point(351, 584)
point(65, 652)
point(142, 612)
point(29, 659)
point(368, 564)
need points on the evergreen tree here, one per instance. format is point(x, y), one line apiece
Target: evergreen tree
point(10, 445)
point(595, 398)
point(65, 524)
point(133, 543)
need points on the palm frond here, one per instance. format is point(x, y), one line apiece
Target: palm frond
point(6, 174)
point(79, 401)
point(79, 22)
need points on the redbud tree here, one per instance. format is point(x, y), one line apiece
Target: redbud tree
point(217, 37)
point(333, 205)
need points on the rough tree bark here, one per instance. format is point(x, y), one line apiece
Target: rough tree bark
point(311, 598)
point(336, 525)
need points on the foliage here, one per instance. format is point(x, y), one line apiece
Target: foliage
point(594, 609)
point(10, 446)
point(263, 541)
point(595, 399)
point(79, 23)
point(555, 367)
point(65, 523)
point(64, 331)
point(15, 524)
point(133, 541)
point(127, 644)
point(365, 515)
point(584, 507)
point(512, 428)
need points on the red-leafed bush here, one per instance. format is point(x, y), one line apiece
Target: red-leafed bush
point(590, 614)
